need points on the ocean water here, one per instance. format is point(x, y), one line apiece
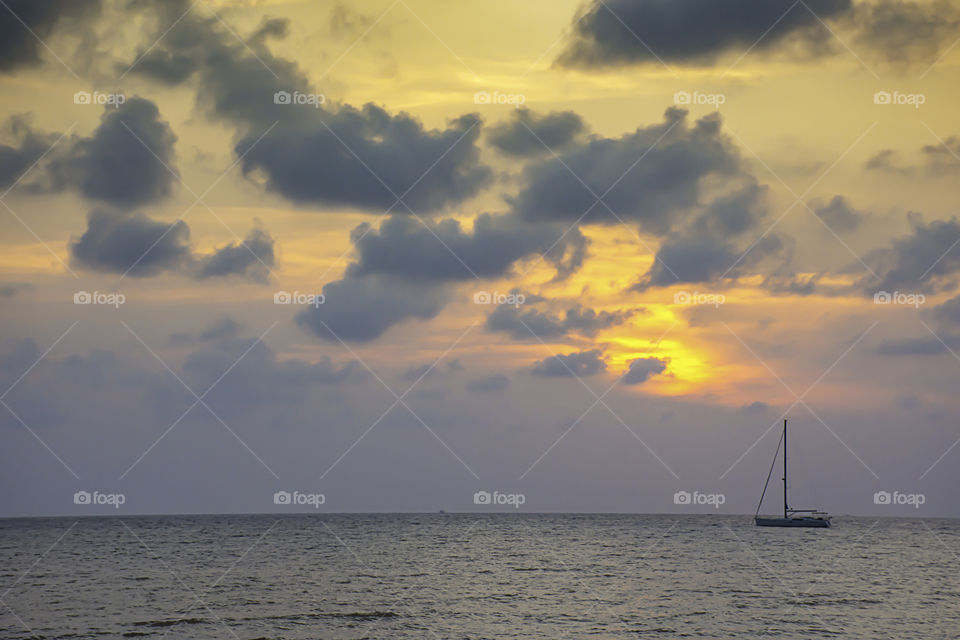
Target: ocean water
point(476, 576)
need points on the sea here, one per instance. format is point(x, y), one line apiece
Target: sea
point(473, 576)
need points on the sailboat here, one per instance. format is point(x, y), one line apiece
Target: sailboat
point(791, 517)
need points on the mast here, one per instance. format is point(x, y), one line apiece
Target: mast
point(785, 508)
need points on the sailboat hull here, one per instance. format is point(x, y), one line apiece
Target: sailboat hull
point(818, 523)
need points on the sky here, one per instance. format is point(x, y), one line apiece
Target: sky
point(400, 255)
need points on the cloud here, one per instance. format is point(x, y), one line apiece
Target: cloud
point(577, 364)
point(885, 161)
point(395, 155)
point(136, 245)
point(115, 242)
point(22, 37)
point(495, 383)
point(362, 309)
point(252, 258)
point(903, 32)
point(942, 159)
point(30, 147)
point(527, 324)
point(839, 215)
point(128, 160)
point(528, 134)
point(318, 153)
point(926, 260)
point(671, 167)
point(405, 269)
point(642, 369)
point(948, 312)
point(705, 258)
point(442, 251)
point(622, 32)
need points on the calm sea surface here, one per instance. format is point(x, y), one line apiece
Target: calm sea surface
point(476, 576)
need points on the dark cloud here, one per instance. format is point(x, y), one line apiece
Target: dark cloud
point(942, 159)
point(619, 32)
point(491, 384)
point(679, 162)
point(532, 324)
point(948, 312)
point(363, 308)
point(405, 269)
point(252, 258)
point(315, 153)
point(29, 146)
point(705, 258)
point(838, 214)
point(442, 251)
point(117, 242)
point(902, 31)
point(885, 161)
point(642, 369)
point(394, 155)
point(577, 364)
point(927, 260)
point(530, 134)
point(21, 48)
point(123, 163)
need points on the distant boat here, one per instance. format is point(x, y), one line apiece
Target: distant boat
point(791, 517)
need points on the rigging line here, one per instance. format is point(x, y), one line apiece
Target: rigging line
point(769, 473)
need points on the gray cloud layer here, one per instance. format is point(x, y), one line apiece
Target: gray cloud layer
point(136, 245)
